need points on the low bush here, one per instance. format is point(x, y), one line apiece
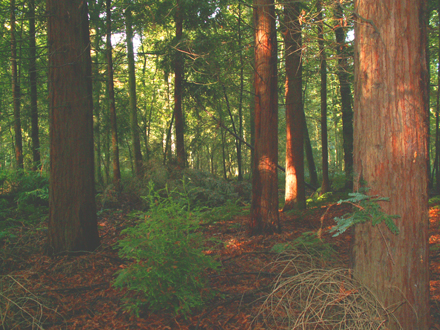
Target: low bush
point(168, 269)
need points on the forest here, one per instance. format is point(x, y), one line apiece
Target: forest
point(220, 164)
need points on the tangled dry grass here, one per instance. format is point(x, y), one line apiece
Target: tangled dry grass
point(305, 296)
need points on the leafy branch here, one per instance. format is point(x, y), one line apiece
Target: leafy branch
point(367, 209)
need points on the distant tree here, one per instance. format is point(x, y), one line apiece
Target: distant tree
point(16, 90)
point(178, 80)
point(133, 97)
point(72, 208)
point(345, 90)
point(33, 87)
point(325, 187)
point(111, 96)
point(295, 185)
point(390, 155)
point(264, 207)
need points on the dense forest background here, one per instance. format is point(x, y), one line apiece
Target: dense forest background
point(196, 104)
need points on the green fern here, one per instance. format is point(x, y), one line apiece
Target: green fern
point(367, 209)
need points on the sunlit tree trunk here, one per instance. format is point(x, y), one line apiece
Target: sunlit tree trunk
point(33, 88)
point(240, 101)
point(390, 155)
point(325, 186)
point(295, 187)
point(346, 98)
point(264, 207)
point(16, 91)
point(111, 101)
point(178, 78)
point(132, 88)
point(72, 208)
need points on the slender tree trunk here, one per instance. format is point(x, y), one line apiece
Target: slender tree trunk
point(33, 88)
point(309, 153)
point(295, 195)
point(346, 98)
point(178, 78)
point(72, 208)
point(111, 101)
point(325, 187)
point(240, 100)
point(264, 207)
point(390, 155)
point(16, 91)
point(132, 85)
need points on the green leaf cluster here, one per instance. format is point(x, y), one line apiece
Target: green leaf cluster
point(168, 269)
point(367, 208)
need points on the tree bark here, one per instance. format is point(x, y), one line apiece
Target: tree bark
point(111, 96)
point(295, 195)
point(390, 155)
point(346, 97)
point(178, 78)
point(16, 91)
point(325, 187)
point(240, 100)
point(264, 207)
point(132, 86)
point(72, 208)
point(33, 89)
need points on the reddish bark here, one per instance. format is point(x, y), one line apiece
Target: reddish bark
point(295, 186)
point(390, 155)
point(264, 208)
point(72, 214)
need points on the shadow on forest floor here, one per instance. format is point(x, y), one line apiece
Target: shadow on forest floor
point(76, 292)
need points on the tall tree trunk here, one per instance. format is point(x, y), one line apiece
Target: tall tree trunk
point(390, 155)
point(72, 208)
point(325, 187)
point(132, 85)
point(16, 91)
point(240, 100)
point(346, 98)
point(264, 207)
point(178, 77)
point(437, 115)
point(309, 152)
point(111, 96)
point(295, 195)
point(33, 88)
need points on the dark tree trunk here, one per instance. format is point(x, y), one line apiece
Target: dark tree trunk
point(111, 101)
point(33, 88)
point(178, 78)
point(295, 195)
point(132, 87)
point(325, 187)
point(240, 100)
point(346, 98)
point(72, 208)
point(16, 91)
point(390, 155)
point(264, 207)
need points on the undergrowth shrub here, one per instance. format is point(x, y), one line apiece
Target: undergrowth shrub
point(169, 266)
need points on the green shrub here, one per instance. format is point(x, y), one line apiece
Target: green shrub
point(168, 269)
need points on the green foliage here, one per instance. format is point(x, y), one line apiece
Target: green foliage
point(225, 212)
point(367, 209)
point(434, 200)
point(168, 269)
point(309, 243)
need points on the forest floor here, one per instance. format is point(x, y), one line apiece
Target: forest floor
point(69, 292)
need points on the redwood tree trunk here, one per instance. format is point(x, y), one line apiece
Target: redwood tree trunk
point(295, 187)
point(390, 155)
point(325, 187)
point(132, 86)
point(264, 208)
point(72, 208)
point(16, 91)
point(346, 98)
point(178, 77)
point(33, 88)
point(111, 96)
